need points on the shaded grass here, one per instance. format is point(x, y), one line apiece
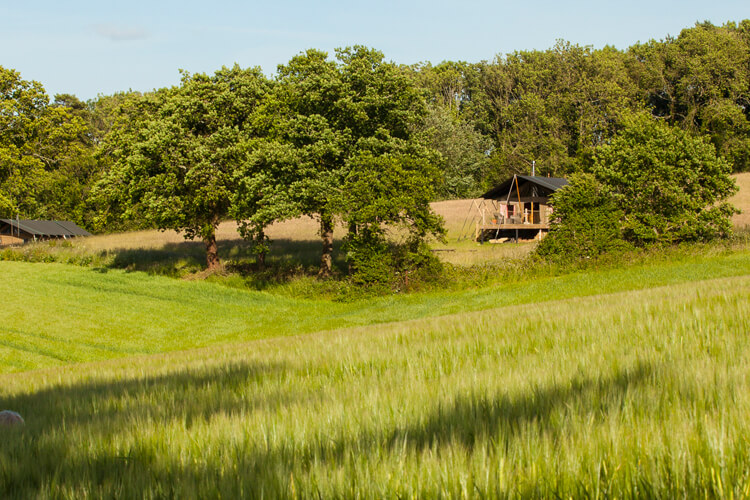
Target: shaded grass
point(636, 394)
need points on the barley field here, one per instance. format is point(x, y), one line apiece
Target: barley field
point(641, 393)
point(741, 200)
point(625, 380)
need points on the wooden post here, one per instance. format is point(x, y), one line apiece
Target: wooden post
point(518, 192)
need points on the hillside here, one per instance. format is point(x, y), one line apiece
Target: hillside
point(57, 314)
point(634, 393)
point(626, 380)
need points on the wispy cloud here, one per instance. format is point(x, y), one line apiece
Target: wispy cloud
point(121, 33)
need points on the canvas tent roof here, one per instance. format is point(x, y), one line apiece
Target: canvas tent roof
point(550, 183)
point(45, 228)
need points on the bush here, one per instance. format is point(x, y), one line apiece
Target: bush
point(587, 221)
point(652, 184)
point(376, 262)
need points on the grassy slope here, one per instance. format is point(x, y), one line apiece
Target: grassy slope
point(581, 385)
point(633, 394)
point(56, 314)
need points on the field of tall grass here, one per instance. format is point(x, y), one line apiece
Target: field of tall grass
point(624, 378)
point(641, 393)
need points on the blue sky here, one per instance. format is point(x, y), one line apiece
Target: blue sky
point(100, 47)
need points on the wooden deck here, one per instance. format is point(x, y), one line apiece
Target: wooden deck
point(510, 232)
point(496, 227)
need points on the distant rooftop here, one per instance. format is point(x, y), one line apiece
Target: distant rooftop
point(46, 228)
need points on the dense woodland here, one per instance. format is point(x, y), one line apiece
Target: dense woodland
point(357, 139)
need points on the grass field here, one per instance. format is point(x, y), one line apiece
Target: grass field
point(56, 314)
point(624, 379)
point(640, 393)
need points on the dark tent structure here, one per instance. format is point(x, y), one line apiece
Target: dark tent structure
point(544, 186)
point(13, 231)
point(517, 208)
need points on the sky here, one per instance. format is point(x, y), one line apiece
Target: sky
point(87, 48)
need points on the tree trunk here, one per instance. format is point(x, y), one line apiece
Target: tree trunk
point(212, 253)
point(326, 233)
point(260, 245)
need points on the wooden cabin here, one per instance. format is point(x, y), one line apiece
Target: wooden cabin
point(15, 231)
point(517, 209)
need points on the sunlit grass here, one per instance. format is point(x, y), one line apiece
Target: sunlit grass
point(57, 314)
point(633, 394)
point(742, 201)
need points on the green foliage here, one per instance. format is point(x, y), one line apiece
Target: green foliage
point(556, 106)
point(176, 167)
point(382, 195)
point(587, 221)
point(335, 120)
point(553, 107)
point(463, 153)
point(701, 82)
point(46, 162)
point(651, 184)
point(670, 185)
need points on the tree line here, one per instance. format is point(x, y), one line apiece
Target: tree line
point(357, 139)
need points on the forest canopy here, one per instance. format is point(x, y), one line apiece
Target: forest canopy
point(238, 144)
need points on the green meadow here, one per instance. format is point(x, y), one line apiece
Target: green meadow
point(621, 381)
point(56, 314)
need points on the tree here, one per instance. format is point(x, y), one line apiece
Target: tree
point(265, 191)
point(652, 183)
point(463, 153)
point(700, 81)
point(553, 106)
point(176, 167)
point(386, 194)
point(332, 112)
point(43, 150)
point(670, 185)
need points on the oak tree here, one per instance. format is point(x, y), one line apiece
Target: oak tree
point(176, 167)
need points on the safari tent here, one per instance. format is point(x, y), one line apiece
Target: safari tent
point(518, 208)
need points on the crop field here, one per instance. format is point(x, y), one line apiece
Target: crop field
point(636, 393)
point(742, 201)
point(628, 379)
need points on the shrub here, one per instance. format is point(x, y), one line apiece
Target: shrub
point(587, 221)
